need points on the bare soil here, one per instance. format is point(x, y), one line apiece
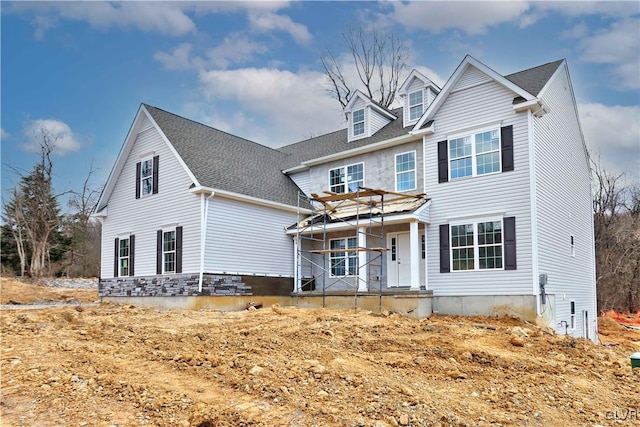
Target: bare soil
point(15, 292)
point(120, 365)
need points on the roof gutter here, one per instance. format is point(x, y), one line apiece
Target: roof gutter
point(535, 106)
point(360, 150)
point(247, 199)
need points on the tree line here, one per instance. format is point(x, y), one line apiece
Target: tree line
point(39, 240)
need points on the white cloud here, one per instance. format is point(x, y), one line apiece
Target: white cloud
point(59, 134)
point(161, 17)
point(613, 132)
point(235, 49)
point(578, 31)
point(618, 46)
point(4, 135)
point(178, 59)
point(282, 99)
point(470, 17)
point(267, 21)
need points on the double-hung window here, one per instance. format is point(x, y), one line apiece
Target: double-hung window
point(477, 246)
point(146, 177)
point(346, 179)
point(406, 171)
point(123, 257)
point(415, 105)
point(358, 122)
point(169, 251)
point(344, 262)
point(474, 154)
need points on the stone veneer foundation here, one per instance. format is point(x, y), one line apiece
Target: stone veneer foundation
point(173, 285)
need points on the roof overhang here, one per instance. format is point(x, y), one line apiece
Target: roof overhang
point(354, 151)
point(534, 105)
point(370, 103)
point(208, 191)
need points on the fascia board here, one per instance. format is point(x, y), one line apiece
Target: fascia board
point(361, 150)
point(448, 87)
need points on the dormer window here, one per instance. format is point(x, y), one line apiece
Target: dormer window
point(358, 122)
point(415, 105)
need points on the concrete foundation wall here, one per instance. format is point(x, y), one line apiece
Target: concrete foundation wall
point(523, 306)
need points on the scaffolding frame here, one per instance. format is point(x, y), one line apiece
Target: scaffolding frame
point(362, 211)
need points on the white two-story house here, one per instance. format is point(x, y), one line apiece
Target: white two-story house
point(476, 195)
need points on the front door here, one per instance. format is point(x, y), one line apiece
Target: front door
point(399, 260)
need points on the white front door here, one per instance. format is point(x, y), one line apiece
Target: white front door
point(399, 260)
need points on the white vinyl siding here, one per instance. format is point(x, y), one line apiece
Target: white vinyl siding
point(503, 194)
point(471, 77)
point(562, 209)
point(373, 120)
point(302, 181)
point(143, 217)
point(246, 238)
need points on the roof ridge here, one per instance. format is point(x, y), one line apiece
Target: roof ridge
point(537, 66)
point(211, 127)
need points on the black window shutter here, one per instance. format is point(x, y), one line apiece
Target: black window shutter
point(443, 162)
point(445, 264)
point(156, 160)
point(132, 247)
point(510, 243)
point(159, 253)
point(138, 169)
point(116, 258)
point(178, 249)
point(506, 136)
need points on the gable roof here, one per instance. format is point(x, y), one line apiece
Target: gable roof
point(526, 84)
point(227, 162)
point(534, 79)
point(358, 94)
point(415, 74)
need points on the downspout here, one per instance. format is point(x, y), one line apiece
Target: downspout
point(204, 209)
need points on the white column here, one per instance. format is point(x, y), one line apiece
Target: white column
point(296, 266)
point(414, 243)
point(362, 260)
point(426, 257)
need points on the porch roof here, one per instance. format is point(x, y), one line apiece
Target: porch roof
point(362, 207)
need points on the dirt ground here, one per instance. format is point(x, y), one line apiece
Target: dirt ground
point(119, 365)
point(14, 292)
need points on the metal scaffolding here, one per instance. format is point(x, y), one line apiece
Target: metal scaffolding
point(362, 212)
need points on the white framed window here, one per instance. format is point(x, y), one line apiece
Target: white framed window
point(474, 154)
point(168, 251)
point(572, 246)
point(344, 262)
point(477, 246)
point(346, 179)
point(406, 171)
point(358, 122)
point(146, 176)
point(415, 105)
point(573, 314)
point(124, 253)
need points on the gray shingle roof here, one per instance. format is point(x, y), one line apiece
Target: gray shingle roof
point(534, 79)
point(226, 162)
point(337, 141)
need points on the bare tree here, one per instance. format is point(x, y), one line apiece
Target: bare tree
point(84, 256)
point(616, 215)
point(379, 59)
point(33, 212)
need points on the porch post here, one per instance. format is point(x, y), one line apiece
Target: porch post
point(414, 250)
point(362, 260)
point(296, 266)
point(426, 257)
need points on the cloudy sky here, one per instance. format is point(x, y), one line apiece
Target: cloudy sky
point(81, 69)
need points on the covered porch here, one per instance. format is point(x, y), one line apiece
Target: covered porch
point(361, 244)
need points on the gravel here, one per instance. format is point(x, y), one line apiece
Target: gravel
point(72, 283)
